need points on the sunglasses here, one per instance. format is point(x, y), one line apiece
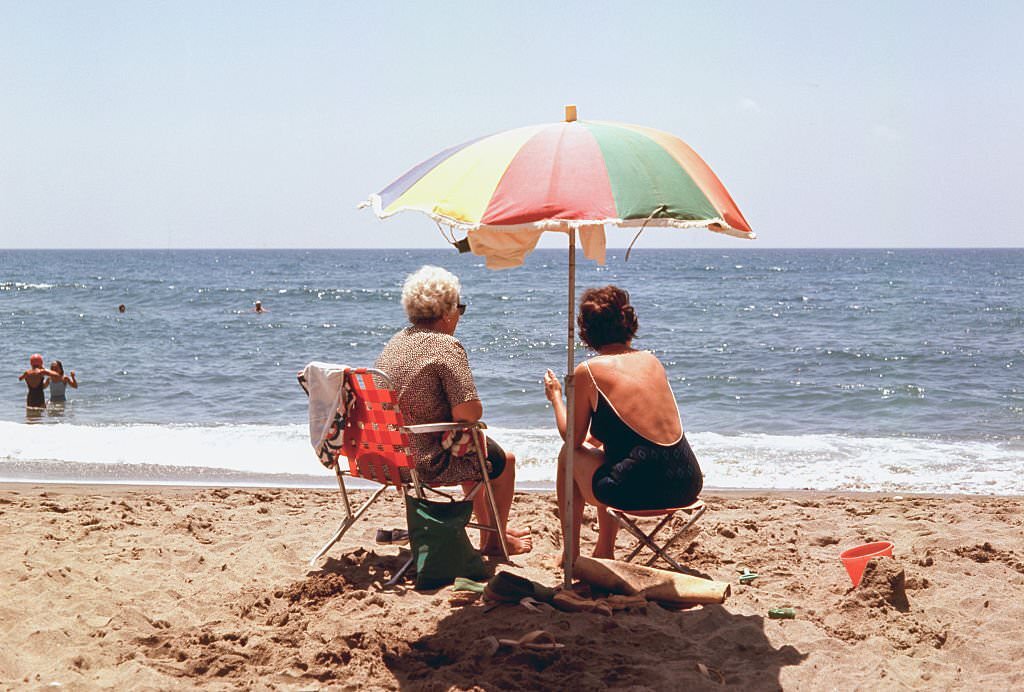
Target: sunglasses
point(462, 308)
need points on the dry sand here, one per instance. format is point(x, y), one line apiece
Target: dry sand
point(157, 588)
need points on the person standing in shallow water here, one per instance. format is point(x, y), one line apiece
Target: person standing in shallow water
point(35, 379)
point(59, 384)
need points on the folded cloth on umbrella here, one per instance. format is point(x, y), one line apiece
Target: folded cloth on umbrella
point(329, 400)
point(504, 249)
point(593, 240)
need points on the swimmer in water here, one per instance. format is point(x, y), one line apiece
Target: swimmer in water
point(59, 384)
point(258, 307)
point(121, 308)
point(35, 380)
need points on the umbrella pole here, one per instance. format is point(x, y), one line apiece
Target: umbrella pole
point(568, 482)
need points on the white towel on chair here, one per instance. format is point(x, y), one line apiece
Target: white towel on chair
point(326, 385)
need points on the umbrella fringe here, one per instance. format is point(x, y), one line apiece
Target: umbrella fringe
point(718, 225)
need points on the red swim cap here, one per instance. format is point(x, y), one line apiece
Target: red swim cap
point(36, 360)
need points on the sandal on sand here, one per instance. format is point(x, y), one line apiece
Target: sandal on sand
point(537, 640)
point(746, 576)
point(571, 602)
point(505, 587)
point(623, 602)
point(535, 606)
point(466, 584)
point(391, 537)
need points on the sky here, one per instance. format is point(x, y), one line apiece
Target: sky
point(262, 124)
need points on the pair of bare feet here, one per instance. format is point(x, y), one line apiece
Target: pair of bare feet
point(520, 542)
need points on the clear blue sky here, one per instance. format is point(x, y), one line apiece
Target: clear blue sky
point(253, 124)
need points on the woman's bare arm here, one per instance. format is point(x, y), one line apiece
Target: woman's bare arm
point(583, 394)
point(553, 392)
point(468, 412)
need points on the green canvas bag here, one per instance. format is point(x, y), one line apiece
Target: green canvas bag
point(440, 547)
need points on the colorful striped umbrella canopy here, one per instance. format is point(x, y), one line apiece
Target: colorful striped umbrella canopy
point(566, 177)
point(574, 173)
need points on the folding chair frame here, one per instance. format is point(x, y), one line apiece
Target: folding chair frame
point(386, 476)
point(626, 519)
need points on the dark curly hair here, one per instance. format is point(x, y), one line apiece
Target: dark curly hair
point(606, 317)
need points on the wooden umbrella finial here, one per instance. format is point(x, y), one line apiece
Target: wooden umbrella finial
point(570, 114)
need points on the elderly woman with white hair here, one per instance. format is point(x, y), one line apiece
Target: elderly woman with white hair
point(430, 370)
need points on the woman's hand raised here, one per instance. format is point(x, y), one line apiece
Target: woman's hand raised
point(552, 387)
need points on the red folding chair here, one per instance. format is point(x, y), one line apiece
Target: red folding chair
point(629, 519)
point(375, 441)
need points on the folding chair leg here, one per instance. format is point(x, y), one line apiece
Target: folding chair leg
point(496, 518)
point(645, 541)
point(397, 577)
point(491, 502)
point(640, 544)
point(400, 573)
point(349, 520)
point(681, 532)
point(663, 555)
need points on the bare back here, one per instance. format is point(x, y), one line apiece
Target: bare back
point(636, 386)
point(34, 378)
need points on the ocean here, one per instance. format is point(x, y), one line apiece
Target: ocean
point(883, 370)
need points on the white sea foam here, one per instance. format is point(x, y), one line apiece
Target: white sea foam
point(249, 449)
point(261, 453)
point(822, 462)
point(21, 286)
point(845, 462)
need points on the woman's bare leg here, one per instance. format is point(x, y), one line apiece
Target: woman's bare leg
point(503, 487)
point(607, 531)
point(586, 461)
point(577, 506)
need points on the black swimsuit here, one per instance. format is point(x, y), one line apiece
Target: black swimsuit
point(36, 398)
point(638, 473)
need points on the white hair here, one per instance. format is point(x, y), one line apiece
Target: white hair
point(430, 293)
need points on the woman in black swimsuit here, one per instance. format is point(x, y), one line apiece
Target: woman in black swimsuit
point(35, 380)
point(630, 450)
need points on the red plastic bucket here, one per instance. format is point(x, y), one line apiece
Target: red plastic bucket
point(856, 559)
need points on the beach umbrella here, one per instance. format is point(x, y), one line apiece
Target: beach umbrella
point(574, 177)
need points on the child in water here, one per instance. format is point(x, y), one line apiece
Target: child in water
point(35, 380)
point(59, 383)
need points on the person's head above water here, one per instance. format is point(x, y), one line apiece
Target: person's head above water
point(57, 366)
point(430, 294)
point(35, 360)
point(606, 317)
point(121, 308)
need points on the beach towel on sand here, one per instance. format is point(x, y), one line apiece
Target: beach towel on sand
point(329, 401)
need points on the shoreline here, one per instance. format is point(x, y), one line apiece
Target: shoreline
point(172, 586)
point(280, 456)
point(330, 486)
